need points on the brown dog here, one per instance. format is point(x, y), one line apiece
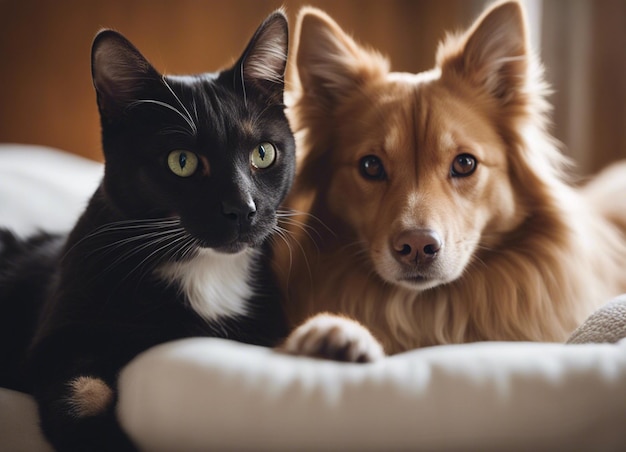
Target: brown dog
point(436, 206)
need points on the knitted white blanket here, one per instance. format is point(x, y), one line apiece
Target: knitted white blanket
point(606, 325)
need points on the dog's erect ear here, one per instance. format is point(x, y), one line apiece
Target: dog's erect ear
point(328, 61)
point(493, 54)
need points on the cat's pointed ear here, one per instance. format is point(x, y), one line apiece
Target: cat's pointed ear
point(493, 54)
point(264, 61)
point(120, 72)
point(330, 64)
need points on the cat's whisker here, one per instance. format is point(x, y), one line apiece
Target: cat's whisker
point(142, 247)
point(138, 224)
point(288, 235)
point(125, 256)
point(158, 254)
point(293, 219)
point(283, 235)
point(176, 247)
point(120, 243)
point(148, 224)
point(173, 130)
point(191, 122)
point(290, 220)
point(146, 265)
point(125, 225)
point(195, 109)
point(192, 126)
point(189, 248)
point(297, 213)
point(305, 228)
point(243, 85)
point(186, 248)
point(86, 238)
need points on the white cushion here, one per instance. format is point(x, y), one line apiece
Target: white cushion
point(19, 429)
point(42, 188)
point(211, 394)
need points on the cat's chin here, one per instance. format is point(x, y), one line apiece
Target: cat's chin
point(232, 248)
point(239, 245)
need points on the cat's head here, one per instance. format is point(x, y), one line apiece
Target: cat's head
point(214, 150)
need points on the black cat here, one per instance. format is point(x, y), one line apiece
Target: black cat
point(172, 244)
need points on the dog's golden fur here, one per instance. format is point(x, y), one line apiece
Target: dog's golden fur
point(523, 255)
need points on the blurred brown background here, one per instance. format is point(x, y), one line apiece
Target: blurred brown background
point(46, 96)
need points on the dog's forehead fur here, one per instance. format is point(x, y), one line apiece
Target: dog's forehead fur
point(414, 120)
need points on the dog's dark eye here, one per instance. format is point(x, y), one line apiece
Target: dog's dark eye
point(372, 168)
point(463, 165)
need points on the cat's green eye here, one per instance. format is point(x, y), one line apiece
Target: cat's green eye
point(182, 163)
point(263, 155)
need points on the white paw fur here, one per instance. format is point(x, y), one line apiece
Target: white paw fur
point(334, 337)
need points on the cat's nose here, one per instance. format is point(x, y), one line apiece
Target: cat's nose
point(242, 211)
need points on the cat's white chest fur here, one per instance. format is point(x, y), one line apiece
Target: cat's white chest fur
point(215, 284)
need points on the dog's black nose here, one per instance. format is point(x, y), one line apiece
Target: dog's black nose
point(417, 246)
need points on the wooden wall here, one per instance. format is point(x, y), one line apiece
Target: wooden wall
point(584, 50)
point(46, 95)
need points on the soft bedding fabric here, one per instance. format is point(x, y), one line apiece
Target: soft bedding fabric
point(19, 431)
point(42, 188)
point(210, 394)
point(607, 324)
point(201, 394)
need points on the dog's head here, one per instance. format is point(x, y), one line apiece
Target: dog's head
point(422, 168)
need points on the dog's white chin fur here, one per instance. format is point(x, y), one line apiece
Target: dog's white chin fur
point(449, 268)
point(418, 286)
point(394, 276)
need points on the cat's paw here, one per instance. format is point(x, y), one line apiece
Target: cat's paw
point(333, 337)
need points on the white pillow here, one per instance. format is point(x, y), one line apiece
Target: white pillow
point(212, 394)
point(43, 188)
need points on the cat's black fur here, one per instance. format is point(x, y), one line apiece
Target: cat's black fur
point(116, 285)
